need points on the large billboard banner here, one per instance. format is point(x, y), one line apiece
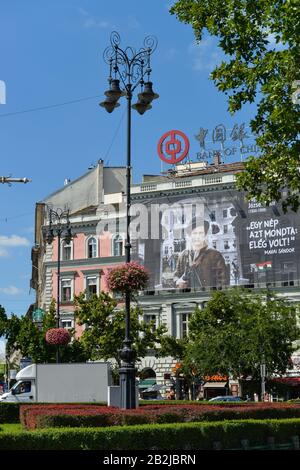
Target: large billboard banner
point(215, 239)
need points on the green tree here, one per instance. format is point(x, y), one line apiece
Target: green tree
point(25, 336)
point(237, 330)
point(261, 41)
point(105, 328)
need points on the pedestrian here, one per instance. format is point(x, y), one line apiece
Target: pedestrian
point(171, 394)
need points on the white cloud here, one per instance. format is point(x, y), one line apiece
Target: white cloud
point(94, 23)
point(90, 21)
point(133, 23)
point(2, 92)
point(28, 230)
point(11, 290)
point(82, 11)
point(13, 240)
point(205, 55)
point(3, 253)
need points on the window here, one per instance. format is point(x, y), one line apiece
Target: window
point(151, 318)
point(226, 245)
point(118, 246)
point(23, 387)
point(225, 228)
point(213, 216)
point(92, 248)
point(66, 251)
point(289, 271)
point(224, 213)
point(66, 324)
point(184, 325)
point(91, 287)
point(214, 244)
point(66, 290)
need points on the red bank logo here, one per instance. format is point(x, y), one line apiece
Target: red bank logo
point(173, 147)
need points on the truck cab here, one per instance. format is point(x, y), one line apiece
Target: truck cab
point(23, 391)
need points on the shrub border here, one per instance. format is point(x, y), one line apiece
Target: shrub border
point(185, 436)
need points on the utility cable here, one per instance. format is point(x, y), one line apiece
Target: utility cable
point(41, 108)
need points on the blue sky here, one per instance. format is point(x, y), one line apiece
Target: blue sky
point(51, 53)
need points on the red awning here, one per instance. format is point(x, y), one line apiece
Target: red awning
point(292, 381)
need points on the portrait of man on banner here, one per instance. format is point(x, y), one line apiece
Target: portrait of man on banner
point(199, 266)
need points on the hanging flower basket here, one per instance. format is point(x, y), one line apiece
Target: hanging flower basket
point(128, 277)
point(58, 336)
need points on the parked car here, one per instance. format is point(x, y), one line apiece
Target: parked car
point(155, 392)
point(226, 398)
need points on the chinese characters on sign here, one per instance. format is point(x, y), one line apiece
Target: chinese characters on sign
point(173, 146)
point(219, 136)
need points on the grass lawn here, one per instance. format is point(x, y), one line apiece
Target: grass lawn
point(11, 428)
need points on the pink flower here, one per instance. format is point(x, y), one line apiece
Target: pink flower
point(58, 336)
point(130, 276)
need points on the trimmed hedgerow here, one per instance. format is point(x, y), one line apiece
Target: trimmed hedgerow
point(41, 416)
point(9, 412)
point(147, 437)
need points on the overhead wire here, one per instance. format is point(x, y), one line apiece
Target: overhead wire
point(41, 108)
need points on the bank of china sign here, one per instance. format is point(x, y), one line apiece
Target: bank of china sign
point(174, 145)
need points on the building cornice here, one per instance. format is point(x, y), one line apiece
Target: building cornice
point(105, 261)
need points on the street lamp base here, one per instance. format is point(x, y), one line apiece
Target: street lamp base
point(127, 386)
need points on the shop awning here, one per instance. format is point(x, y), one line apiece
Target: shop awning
point(215, 385)
point(292, 381)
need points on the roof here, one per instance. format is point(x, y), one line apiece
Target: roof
point(213, 169)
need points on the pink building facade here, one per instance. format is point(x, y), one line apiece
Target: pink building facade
point(93, 198)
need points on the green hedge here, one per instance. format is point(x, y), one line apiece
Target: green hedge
point(9, 412)
point(165, 436)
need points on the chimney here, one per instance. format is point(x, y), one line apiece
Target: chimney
point(217, 158)
point(66, 181)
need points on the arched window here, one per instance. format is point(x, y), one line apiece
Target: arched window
point(117, 247)
point(92, 248)
point(66, 251)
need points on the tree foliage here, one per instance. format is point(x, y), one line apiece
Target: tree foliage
point(105, 328)
point(261, 41)
point(25, 336)
point(238, 330)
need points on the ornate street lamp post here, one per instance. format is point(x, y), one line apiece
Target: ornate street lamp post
point(60, 227)
point(128, 69)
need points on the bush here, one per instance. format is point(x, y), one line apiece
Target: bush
point(9, 412)
point(36, 416)
point(147, 437)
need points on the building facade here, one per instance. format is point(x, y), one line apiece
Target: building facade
point(246, 243)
